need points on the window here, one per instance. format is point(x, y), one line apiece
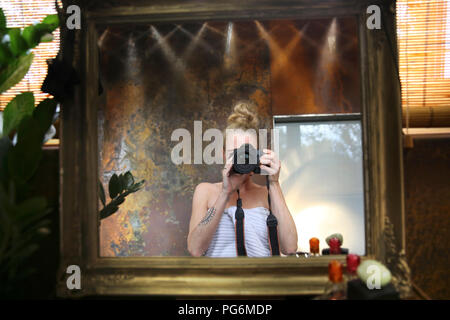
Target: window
point(322, 177)
point(423, 32)
point(20, 13)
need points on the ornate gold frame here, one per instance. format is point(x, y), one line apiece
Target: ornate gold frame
point(186, 276)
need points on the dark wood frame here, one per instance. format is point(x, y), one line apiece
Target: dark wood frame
point(187, 276)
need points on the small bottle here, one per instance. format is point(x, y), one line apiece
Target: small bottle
point(353, 261)
point(335, 246)
point(314, 246)
point(335, 288)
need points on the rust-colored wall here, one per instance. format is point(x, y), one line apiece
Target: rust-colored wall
point(427, 198)
point(154, 88)
point(315, 66)
point(150, 94)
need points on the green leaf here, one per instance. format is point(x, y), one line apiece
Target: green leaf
point(16, 110)
point(15, 71)
point(108, 210)
point(52, 21)
point(25, 156)
point(29, 213)
point(31, 36)
point(43, 113)
point(101, 193)
point(2, 20)
point(137, 185)
point(34, 220)
point(121, 183)
point(5, 147)
point(5, 54)
point(17, 43)
point(29, 131)
point(23, 163)
point(128, 179)
point(119, 201)
point(32, 205)
point(114, 186)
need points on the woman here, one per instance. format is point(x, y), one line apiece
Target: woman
point(212, 225)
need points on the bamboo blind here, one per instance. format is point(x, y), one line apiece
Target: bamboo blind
point(423, 33)
point(21, 13)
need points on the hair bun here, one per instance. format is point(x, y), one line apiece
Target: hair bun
point(244, 116)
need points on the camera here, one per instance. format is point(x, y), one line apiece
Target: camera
point(246, 160)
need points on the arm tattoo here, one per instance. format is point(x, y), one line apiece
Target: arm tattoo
point(209, 215)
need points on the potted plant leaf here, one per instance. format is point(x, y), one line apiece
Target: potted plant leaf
point(22, 215)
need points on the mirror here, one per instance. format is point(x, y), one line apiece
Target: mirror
point(306, 64)
point(161, 77)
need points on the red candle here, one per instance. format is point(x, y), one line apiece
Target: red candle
point(314, 245)
point(335, 246)
point(335, 271)
point(353, 261)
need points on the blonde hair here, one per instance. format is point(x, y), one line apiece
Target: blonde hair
point(244, 116)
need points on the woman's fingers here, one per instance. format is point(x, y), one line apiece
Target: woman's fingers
point(226, 169)
point(267, 156)
point(273, 163)
point(267, 170)
point(265, 161)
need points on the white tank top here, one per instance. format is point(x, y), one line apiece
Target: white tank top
point(223, 243)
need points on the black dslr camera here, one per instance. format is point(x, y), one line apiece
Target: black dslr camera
point(246, 160)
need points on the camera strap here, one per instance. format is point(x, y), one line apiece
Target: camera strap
point(272, 224)
point(240, 240)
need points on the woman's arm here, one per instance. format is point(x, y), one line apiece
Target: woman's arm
point(286, 225)
point(204, 220)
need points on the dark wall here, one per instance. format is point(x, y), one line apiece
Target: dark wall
point(427, 203)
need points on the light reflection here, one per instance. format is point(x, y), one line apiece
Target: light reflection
point(281, 56)
point(164, 39)
point(176, 62)
point(328, 52)
point(213, 29)
point(230, 48)
point(196, 40)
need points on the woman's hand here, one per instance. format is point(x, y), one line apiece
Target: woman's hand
point(231, 182)
point(270, 164)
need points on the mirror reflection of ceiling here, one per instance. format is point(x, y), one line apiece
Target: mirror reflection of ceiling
point(160, 77)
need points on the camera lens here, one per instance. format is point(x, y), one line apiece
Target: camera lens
point(246, 159)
